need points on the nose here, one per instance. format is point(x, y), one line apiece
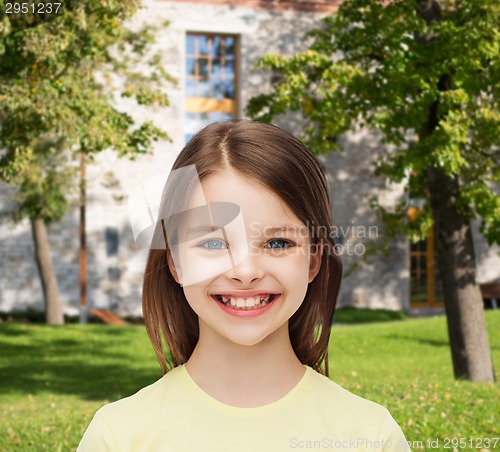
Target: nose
point(247, 271)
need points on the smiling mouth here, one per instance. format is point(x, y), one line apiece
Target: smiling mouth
point(247, 303)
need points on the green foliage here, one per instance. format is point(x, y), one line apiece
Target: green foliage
point(44, 189)
point(59, 84)
point(431, 88)
point(54, 379)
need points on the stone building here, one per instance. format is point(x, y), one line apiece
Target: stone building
point(211, 47)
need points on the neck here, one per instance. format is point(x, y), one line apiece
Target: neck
point(242, 375)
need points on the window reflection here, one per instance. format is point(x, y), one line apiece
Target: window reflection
point(210, 66)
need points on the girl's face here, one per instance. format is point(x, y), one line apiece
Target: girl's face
point(246, 280)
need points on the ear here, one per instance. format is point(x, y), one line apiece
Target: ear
point(315, 260)
point(171, 265)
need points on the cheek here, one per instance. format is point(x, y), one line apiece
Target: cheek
point(198, 265)
point(194, 297)
point(293, 272)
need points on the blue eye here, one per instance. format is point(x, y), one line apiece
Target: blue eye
point(213, 245)
point(279, 244)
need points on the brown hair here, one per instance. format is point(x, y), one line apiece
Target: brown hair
point(284, 165)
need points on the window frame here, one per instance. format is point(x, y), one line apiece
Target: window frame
point(206, 104)
point(432, 300)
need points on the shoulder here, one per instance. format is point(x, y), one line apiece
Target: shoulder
point(148, 398)
point(332, 394)
point(118, 422)
point(360, 417)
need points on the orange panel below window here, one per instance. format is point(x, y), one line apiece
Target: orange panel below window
point(203, 104)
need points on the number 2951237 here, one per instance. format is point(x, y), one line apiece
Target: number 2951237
point(32, 8)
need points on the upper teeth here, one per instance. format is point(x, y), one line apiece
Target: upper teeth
point(247, 301)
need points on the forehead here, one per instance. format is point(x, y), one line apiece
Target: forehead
point(256, 201)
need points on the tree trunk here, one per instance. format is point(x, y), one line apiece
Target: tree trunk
point(53, 310)
point(467, 332)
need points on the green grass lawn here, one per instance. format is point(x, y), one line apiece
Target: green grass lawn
point(362, 315)
point(53, 379)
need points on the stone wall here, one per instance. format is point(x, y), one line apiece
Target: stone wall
point(382, 282)
point(116, 263)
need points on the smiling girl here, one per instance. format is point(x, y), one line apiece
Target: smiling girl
point(243, 293)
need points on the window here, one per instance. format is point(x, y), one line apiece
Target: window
point(425, 285)
point(211, 80)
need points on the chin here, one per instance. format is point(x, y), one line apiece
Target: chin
point(248, 338)
point(245, 341)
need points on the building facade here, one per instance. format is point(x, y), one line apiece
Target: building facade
point(211, 47)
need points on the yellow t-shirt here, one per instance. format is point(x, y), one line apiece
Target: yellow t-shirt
point(175, 414)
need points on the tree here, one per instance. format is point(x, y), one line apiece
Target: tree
point(414, 67)
point(58, 88)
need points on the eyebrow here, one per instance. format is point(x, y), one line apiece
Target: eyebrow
point(285, 228)
point(197, 230)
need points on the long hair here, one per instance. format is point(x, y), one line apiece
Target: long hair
point(283, 164)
